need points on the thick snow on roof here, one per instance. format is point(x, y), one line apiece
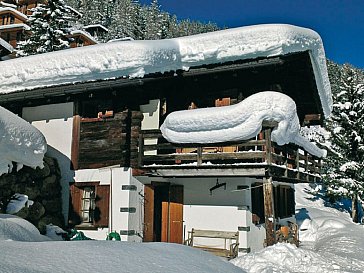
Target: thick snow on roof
point(239, 122)
point(3, 4)
point(18, 13)
point(24, 26)
point(84, 33)
point(20, 142)
point(96, 26)
point(137, 58)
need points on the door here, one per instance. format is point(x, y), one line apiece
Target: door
point(172, 216)
point(163, 213)
point(148, 213)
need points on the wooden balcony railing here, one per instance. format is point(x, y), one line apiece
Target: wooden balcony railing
point(288, 161)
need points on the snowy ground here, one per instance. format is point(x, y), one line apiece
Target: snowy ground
point(23, 249)
point(330, 243)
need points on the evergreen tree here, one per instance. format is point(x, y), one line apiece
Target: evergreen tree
point(49, 27)
point(344, 167)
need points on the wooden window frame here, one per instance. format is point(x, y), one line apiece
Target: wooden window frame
point(101, 210)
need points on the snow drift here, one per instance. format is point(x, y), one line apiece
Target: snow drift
point(138, 58)
point(20, 142)
point(241, 121)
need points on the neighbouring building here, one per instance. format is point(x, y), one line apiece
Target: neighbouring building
point(14, 28)
point(101, 107)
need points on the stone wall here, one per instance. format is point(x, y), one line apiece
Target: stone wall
point(42, 186)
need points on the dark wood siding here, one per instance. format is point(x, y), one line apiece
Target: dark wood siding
point(109, 141)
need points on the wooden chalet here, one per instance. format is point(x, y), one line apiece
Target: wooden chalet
point(80, 38)
point(159, 191)
point(5, 48)
point(13, 26)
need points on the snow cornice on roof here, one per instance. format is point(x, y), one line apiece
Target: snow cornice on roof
point(96, 26)
point(135, 59)
point(84, 33)
point(14, 11)
point(15, 26)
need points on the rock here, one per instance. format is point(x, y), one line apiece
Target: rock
point(50, 219)
point(23, 213)
point(51, 187)
point(36, 211)
point(7, 179)
point(53, 205)
point(33, 192)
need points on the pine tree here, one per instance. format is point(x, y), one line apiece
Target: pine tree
point(49, 27)
point(344, 168)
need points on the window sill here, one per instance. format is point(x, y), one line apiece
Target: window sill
point(86, 227)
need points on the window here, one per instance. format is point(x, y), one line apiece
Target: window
point(89, 205)
point(12, 19)
point(284, 204)
point(257, 203)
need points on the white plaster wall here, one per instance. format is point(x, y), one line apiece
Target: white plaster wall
point(55, 121)
point(136, 199)
point(115, 177)
point(150, 120)
point(224, 209)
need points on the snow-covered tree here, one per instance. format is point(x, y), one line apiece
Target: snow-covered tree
point(128, 18)
point(344, 168)
point(49, 28)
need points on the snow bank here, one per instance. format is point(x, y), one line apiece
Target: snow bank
point(138, 58)
point(108, 257)
point(239, 122)
point(17, 229)
point(20, 142)
point(285, 258)
point(330, 241)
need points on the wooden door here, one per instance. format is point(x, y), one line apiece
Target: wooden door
point(148, 213)
point(172, 216)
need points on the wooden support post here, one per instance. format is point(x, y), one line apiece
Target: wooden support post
point(140, 150)
point(199, 156)
point(306, 167)
point(269, 211)
point(298, 164)
point(268, 145)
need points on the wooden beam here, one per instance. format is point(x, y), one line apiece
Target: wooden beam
point(204, 172)
point(75, 142)
point(269, 211)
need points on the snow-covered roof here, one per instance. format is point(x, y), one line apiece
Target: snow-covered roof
point(84, 33)
point(3, 4)
point(96, 26)
point(138, 58)
point(20, 142)
point(74, 10)
point(11, 26)
point(6, 45)
point(12, 10)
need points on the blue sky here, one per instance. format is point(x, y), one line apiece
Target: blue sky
point(339, 22)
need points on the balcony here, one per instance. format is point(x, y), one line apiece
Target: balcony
point(259, 157)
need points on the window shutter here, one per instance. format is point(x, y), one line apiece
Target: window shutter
point(291, 202)
point(74, 214)
point(101, 213)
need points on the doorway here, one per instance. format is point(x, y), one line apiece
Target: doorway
point(163, 213)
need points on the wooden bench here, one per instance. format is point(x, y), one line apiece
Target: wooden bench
point(231, 242)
